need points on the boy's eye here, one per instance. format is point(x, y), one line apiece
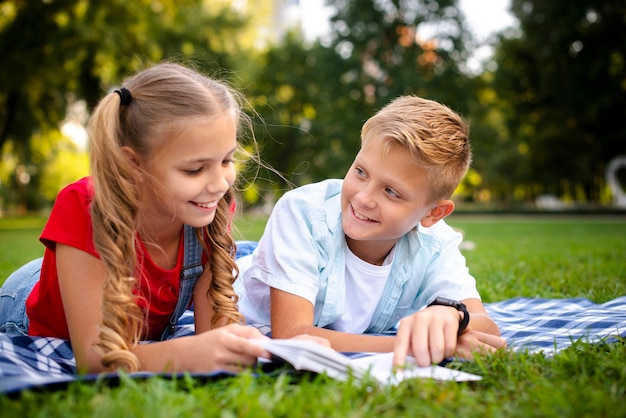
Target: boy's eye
point(359, 171)
point(392, 193)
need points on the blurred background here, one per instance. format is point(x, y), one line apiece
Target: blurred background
point(542, 83)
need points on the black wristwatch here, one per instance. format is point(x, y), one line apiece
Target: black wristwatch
point(459, 306)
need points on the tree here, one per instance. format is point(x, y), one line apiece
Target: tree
point(391, 56)
point(564, 78)
point(297, 92)
point(314, 99)
point(58, 52)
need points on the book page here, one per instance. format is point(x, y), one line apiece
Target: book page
point(309, 355)
point(380, 367)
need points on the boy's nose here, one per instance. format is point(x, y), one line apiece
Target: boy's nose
point(365, 198)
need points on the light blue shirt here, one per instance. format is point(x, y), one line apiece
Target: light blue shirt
point(302, 252)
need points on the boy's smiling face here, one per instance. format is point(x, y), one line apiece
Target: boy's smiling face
point(385, 194)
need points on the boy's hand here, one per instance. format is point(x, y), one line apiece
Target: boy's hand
point(430, 336)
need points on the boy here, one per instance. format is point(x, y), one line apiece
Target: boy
point(348, 259)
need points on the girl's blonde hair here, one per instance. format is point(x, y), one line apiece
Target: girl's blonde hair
point(436, 137)
point(162, 98)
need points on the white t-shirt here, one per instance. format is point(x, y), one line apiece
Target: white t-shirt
point(365, 283)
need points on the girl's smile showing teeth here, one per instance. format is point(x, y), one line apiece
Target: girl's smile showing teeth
point(210, 205)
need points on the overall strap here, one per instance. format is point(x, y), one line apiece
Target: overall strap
point(192, 269)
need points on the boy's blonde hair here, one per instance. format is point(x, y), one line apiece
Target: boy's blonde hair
point(436, 137)
point(164, 97)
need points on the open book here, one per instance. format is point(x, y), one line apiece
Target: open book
point(308, 355)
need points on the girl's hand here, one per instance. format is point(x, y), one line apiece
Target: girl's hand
point(430, 336)
point(226, 348)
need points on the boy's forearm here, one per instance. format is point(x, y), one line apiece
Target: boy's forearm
point(483, 323)
point(341, 341)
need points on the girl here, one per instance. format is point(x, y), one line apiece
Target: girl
point(162, 150)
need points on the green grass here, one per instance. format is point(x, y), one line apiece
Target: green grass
point(553, 257)
point(19, 242)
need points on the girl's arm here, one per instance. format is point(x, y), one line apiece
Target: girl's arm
point(293, 315)
point(81, 280)
point(203, 303)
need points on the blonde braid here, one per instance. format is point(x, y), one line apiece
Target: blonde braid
point(222, 264)
point(113, 213)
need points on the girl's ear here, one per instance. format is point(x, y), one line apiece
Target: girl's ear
point(442, 209)
point(132, 158)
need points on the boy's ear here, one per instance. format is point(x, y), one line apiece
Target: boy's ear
point(442, 209)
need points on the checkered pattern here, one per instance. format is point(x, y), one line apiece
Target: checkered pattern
point(550, 325)
point(535, 325)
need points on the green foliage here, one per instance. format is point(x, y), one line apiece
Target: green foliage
point(313, 100)
point(308, 128)
point(89, 47)
point(556, 84)
point(563, 79)
point(388, 58)
point(56, 161)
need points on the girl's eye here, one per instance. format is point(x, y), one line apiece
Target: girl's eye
point(227, 162)
point(193, 172)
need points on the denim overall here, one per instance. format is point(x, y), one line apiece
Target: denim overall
point(192, 269)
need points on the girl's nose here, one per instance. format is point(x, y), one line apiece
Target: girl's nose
point(220, 180)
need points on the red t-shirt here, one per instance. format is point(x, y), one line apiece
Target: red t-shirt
point(70, 224)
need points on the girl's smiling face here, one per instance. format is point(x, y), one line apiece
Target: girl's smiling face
point(186, 177)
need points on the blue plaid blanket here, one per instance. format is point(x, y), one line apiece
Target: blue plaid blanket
point(528, 324)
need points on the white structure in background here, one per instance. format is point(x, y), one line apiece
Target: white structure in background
point(549, 202)
point(619, 195)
